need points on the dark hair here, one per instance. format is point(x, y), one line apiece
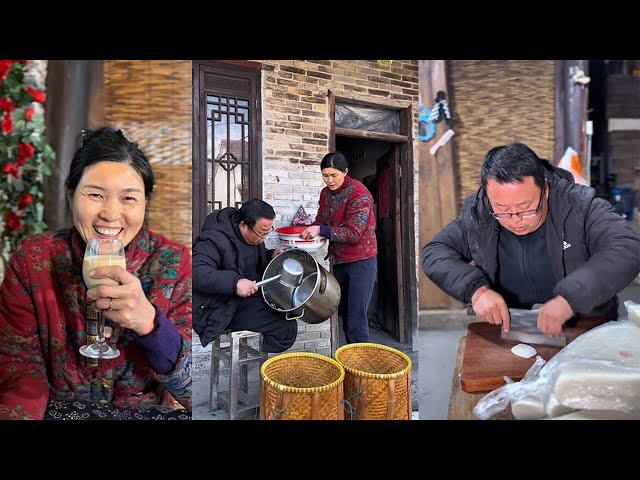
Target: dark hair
point(334, 160)
point(254, 209)
point(108, 145)
point(511, 163)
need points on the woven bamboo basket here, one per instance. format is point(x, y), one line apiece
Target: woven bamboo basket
point(377, 383)
point(301, 386)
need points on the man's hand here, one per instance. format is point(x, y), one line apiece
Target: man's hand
point(280, 250)
point(490, 307)
point(246, 287)
point(552, 316)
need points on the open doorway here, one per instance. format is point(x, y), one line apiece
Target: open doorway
point(372, 163)
point(377, 141)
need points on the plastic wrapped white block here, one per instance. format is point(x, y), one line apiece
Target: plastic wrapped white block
point(554, 408)
point(598, 386)
point(597, 415)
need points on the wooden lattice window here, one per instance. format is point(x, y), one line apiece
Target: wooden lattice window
point(228, 151)
point(227, 168)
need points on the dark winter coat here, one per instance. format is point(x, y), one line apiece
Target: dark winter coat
point(594, 253)
point(217, 267)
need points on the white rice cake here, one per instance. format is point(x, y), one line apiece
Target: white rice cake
point(597, 415)
point(529, 407)
point(523, 350)
point(633, 311)
point(601, 370)
point(554, 408)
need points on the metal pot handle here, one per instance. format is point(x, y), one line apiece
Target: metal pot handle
point(323, 281)
point(295, 318)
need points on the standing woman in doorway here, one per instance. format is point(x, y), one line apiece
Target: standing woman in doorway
point(346, 218)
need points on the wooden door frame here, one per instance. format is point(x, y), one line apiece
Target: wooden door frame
point(199, 187)
point(405, 211)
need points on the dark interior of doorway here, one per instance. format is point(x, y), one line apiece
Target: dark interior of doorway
point(602, 177)
point(372, 163)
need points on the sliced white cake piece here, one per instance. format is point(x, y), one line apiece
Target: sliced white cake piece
point(529, 407)
point(523, 350)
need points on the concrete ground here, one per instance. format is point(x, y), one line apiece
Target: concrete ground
point(439, 335)
point(202, 368)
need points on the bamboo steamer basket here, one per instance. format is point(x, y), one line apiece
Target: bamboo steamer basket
point(377, 384)
point(301, 386)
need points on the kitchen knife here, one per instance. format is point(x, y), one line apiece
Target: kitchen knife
point(524, 329)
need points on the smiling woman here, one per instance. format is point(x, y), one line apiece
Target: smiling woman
point(47, 313)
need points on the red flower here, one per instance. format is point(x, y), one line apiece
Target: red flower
point(11, 168)
point(7, 124)
point(5, 66)
point(13, 222)
point(28, 114)
point(7, 104)
point(25, 152)
point(38, 95)
point(25, 200)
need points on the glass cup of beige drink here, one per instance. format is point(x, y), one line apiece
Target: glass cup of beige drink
point(101, 253)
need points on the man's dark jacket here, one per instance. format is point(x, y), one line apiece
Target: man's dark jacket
point(594, 253)
point(217, 267)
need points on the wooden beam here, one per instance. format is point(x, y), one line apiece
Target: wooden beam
point(242, 63)
point(560, 140)
point(571, 110)
point(331, 105)
point(408, 232)
point(356, 99)
point(67, 113)
point(369, 135)
point(437, 180)
point(96, 115)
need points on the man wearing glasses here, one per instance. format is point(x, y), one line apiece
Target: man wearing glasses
point(535, 237)
point(229, 257)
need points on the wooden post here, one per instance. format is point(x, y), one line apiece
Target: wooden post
point(571, 111)
point(437, 189)
point(70, 102)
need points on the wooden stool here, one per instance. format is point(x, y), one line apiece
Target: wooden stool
point(240, 356)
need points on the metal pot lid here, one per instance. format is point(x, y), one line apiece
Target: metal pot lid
point(305, 290)
point(292, 271)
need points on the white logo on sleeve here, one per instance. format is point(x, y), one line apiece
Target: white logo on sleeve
point(565, 245)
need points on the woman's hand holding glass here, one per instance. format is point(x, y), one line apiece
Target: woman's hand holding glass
point(126, 303)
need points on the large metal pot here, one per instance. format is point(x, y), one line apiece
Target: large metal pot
point(314, 300)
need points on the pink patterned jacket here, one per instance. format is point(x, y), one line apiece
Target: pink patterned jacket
point(349, 214)
point(45, 318)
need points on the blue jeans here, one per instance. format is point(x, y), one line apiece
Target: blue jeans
point(356, 281)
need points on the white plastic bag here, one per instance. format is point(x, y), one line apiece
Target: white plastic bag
point(571, 162)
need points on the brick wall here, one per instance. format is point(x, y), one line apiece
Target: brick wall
point(296, 135)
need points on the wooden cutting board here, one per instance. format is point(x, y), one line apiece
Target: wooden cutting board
point(488, 358)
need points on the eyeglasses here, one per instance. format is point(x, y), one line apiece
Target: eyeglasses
point(264, 235)
point(521, 215)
